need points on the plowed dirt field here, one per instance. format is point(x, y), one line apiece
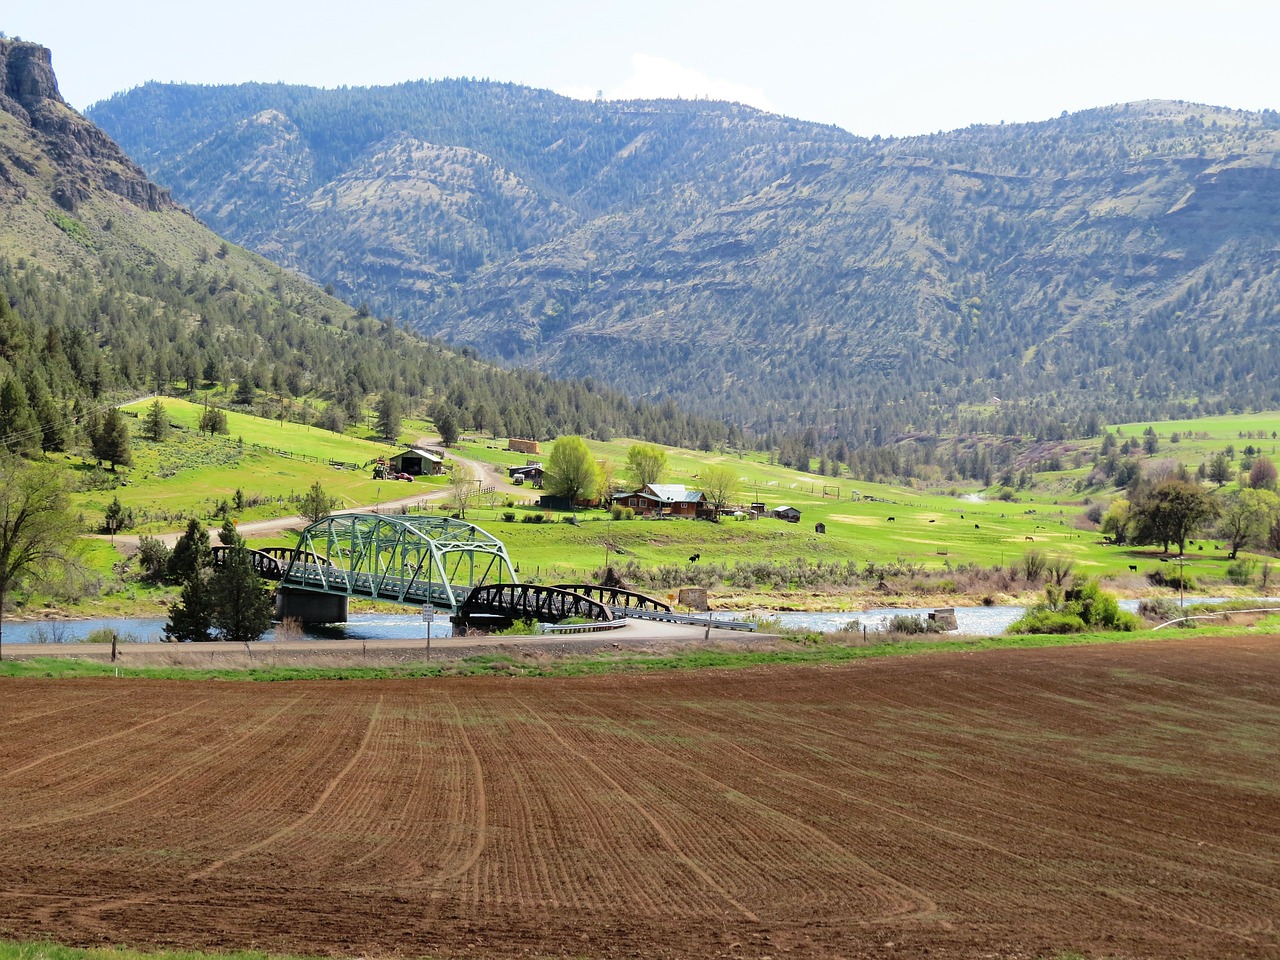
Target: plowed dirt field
point(1119, 801)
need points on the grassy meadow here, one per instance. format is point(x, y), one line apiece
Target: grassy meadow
point(272, 463)
point(929, 543)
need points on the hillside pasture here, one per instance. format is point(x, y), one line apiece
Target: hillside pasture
point(1111, 801)
point(190, 473)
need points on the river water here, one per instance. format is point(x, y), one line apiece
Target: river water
point(978, 621)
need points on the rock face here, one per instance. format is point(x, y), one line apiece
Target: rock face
point(27, 70)
point(87, 159)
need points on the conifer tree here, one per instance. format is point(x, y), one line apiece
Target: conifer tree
point(191, 618)
point(242, 603)
point(109, 438)
point(191, 553)
point(155, 425)
point(316, 504)
point(19, 429)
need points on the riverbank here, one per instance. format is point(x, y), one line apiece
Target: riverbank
point(635, 637)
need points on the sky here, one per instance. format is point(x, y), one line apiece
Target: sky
point(892, 67)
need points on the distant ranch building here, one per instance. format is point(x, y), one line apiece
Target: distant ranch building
point(530, 473)
point(666, 500)
point(790, 514)
point(417, 463)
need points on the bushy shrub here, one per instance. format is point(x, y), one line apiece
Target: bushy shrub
point(520, 628)
point(911, 623)
point(509, 516)
point(619, 512)
point(1241, 571)
point(1157, 609)
point(1047, 621)
point(153, 558)
point(109, 634)
point(1084, 606)
point(1173, 581)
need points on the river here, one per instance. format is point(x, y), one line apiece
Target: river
point(977, 621)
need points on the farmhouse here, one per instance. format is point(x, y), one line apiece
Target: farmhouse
point(664, 500)
point(790, 514)
point(417, 463)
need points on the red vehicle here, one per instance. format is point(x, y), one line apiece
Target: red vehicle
point(404, 476)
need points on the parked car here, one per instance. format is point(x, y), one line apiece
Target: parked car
point(404, 476)
point(518, 480)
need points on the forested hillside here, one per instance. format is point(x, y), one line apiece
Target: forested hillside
point(1110, 265)
point(109, 289)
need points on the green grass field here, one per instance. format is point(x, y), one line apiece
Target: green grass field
point(937, 528)
point(941, 529)
point(270, 462)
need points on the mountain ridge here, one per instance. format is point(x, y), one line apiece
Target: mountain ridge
point(1120, 261)
point(109, 288)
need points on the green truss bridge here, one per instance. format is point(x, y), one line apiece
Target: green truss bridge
point(430, 562)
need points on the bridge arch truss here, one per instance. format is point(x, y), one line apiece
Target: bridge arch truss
point(412, 559)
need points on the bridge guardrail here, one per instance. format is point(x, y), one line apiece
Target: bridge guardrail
point(693, 620)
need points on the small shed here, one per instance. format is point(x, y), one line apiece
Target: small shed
point(417, 463)
point(819, 527)
point(790, 514)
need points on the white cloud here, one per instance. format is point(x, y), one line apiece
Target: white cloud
point(656, 78)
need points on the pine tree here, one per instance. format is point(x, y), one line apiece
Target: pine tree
point(390, 415)
point(19, 429)
point(109, 438)
point(191, 619)
point(191, 554)
point(316, 504)
point(448, 427)
point(155, 425)
point(53, 423)
point(242, 603)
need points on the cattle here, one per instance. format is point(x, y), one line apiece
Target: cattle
point(695, 558)
point(1032, 539)
point(976, 527)
point(1133, 568)
point(890, 519)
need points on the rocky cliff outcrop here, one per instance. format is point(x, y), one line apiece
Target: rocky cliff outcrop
point(85, 157)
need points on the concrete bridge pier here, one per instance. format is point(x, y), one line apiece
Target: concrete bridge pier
point(310, 606)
